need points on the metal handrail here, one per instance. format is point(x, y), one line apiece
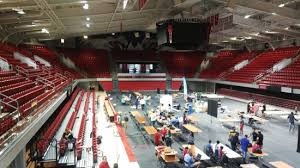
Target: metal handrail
point(8, 104)
point(22, 70)
point(45, 81)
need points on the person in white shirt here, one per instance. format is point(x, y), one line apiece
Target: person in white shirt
point(153, 118)
point(142, 102)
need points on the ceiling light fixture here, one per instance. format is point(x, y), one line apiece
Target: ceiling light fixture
point(248, 38)
point(85, 6)
point(88, 25)
point(44, 30)
point(225, 41)
point(19, 11)
point(273, 13)
point(281, 5)
point(113, 34)
point(287, 28)
point(124, 3)
point(85, 37)
point(62, 41)
point(247, 16)
point(233, 38)
point(88, 19)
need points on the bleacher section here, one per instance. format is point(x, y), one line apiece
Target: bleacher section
point(289, 76)
point(49, 134)
point(182, 64)
point(53, 58)
point(285, 103)
point(223, 61)
point(94, 62)
point(261, 64)
point(24, 89)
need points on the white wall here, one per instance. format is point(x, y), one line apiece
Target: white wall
point(25, 60)
point(4, 65)
point(42, 61)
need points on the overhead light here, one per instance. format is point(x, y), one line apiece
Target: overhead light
point(281, 5)
point(136, 34)
point(247, 16)
point(83, 2)
point(233, 38)
point(147, 35)
point(287, 28)
point(85, 6)
point(248, 38)
point(225, 41)
point(62, 41)
point(44, 30)
point(88, 19)
point(19, 11)
point(273, 13)
point(1, 1)
point(88, 25)
point(270, 32)
point(124, 3)
point(85, 37)
point(113, 34)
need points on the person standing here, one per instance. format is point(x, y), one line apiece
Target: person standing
point(291, 118)
point(104, 163)
point(244, 147)
point(153, 118)
point(234, 141)
point(157, 139)
point(242, 123)
point(260, 139)
point(136, 102)
point(254, 135)
point(142, 102)
point(168, 139)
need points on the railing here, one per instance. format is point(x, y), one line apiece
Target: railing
point(45, 82)
point(258, 77)
point(22, 70)
point(16, 108)
point(61, 76)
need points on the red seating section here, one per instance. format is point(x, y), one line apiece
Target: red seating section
point(80, 136)
point(289, 76)
point(223, 61)
point(107, 85)
point(261, 64)
point(70, 125)
point(182, 64)
point(290, 104)
point(49, 134)
point(94, 132)
point(94, 62)
point(142, 85)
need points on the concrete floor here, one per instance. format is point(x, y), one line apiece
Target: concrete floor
point(278, 142)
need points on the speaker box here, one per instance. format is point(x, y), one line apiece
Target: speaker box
point(212, 107)
point(298, 146)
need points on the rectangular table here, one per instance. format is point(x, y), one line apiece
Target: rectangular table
point(197, 151)
point(192, 118)
point(191, 128)
point(150, 130)
point(135, 113)
point(276, 112)
point(248, 166)
point(280, 164)
point(257, 154)
point(140, 119)
point(169, 157)
point(229, 152)
point(261, 120)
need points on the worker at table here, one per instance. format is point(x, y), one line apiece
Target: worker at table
point(190, 162)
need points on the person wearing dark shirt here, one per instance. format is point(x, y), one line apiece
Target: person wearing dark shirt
point(244, 147)
point(260, 139)
point(209, 149)
point(291, 118)
point(234, 141)
point(254, 135)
